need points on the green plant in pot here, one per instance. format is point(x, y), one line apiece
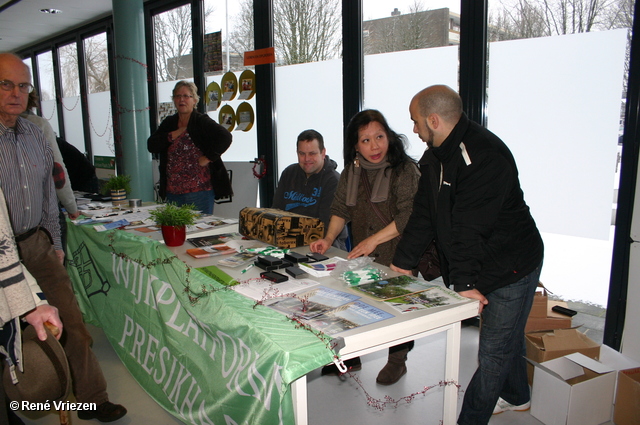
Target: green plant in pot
point(118, 187)
point(173, 220)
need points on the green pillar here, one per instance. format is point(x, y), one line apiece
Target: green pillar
point(133, 96)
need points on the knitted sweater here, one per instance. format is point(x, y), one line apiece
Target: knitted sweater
point(397, 207)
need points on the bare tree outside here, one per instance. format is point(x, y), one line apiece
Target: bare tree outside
point(68, 55)
point(97, 63)
point(173, 43)
point(304, 30)
point(241, 36)
point(541, 18)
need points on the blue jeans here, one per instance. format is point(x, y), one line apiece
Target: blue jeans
point(502, 369)
point(203, 200)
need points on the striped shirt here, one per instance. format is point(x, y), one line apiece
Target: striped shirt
point(26, 165)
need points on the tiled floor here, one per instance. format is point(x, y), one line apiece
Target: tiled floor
point(332, 400)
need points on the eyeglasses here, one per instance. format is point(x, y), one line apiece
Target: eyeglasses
point(182, 96)
point(7, 85)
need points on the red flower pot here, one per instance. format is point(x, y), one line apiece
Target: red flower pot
point(174, 235)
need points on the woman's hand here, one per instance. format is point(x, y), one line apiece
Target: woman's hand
point(320, 246)
point(174, 134)
point(364, 248)
point(203, 161)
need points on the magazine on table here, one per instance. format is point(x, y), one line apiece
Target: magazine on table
point(437, 296)
point(348, 316)
point(210, 251)
point(319, 300)
point(321, 268)
point(238, 259)
point(212, 240)
point(393, 287)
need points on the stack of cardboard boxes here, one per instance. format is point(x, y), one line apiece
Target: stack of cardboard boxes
point(569, 385)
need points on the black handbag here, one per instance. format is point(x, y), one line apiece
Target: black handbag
point(429, 265)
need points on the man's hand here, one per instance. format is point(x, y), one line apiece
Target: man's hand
point(203, 161)
point(60, 254)
point(476, 295)
point(73, 216)
point(399, 270)
point(320, 246)
point(41, 314)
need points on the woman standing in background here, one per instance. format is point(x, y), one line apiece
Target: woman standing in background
point(190, 145)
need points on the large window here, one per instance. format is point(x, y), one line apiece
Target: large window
point(44, 62)
point(563, 64)
point(230, 94)
point(309, 75)
point(408, 46)
point(70, 99)
point(99, 96)
point(174, 62)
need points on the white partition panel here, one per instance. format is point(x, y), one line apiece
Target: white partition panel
point(555, 101)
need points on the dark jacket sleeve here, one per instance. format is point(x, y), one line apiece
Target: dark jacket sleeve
point(158, 142)
point(209, 136)
point(418, 232)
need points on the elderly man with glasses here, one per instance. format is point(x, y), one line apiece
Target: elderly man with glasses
point(26, 164)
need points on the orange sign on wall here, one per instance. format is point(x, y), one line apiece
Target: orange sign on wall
point(260, 57)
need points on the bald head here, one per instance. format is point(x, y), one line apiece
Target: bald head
point(14, 92)
point(11, 60)
point(441, 100)
point(435, 111)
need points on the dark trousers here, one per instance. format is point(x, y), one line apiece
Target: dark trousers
point(40, 259)
point(502, 370)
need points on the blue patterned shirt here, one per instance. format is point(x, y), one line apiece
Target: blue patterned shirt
point(26, 164)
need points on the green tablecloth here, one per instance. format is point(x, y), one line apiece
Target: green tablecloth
point(220, 361)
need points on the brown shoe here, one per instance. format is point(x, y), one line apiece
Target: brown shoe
point(394, 369)
point(106, 412)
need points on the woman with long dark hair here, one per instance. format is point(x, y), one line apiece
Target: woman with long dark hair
point(375, 193)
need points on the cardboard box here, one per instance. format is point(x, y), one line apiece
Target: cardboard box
point(280, 228)
point(543, 346)
point(539, 306)
point(551, 319)
point(572, 390)
point(627, 407)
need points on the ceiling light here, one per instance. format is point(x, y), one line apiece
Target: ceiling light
point(51, 11)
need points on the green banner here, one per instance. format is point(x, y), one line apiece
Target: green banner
point(222, 360)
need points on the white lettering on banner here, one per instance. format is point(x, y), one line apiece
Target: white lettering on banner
point(183, 401)
point(121, 269)
point(236, 360)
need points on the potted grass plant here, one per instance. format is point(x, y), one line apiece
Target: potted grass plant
point(118, 187)
point(173, 220)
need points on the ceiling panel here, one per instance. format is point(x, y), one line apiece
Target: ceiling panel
point(22, 24)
